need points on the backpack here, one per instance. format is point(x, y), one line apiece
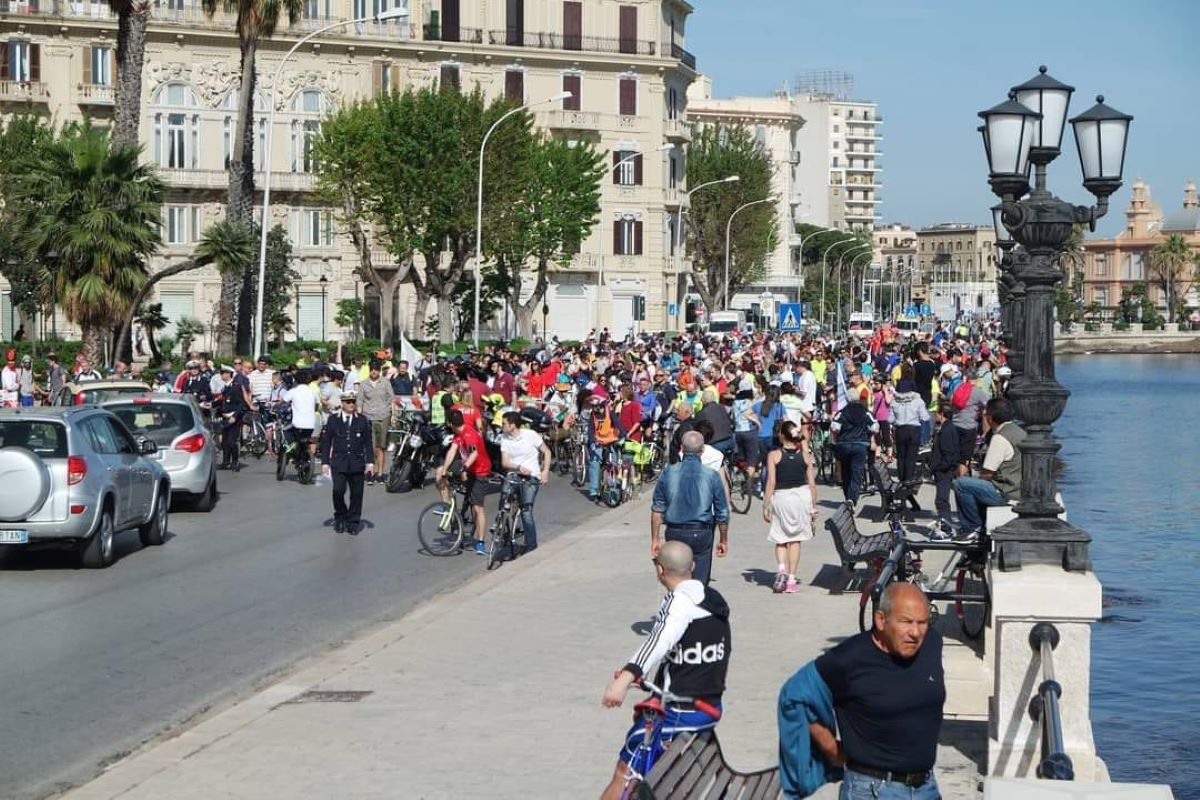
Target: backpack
point(606, 430)
point(962, 395)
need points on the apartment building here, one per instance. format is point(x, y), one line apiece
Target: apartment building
point(624, 63)
point(774, 123)
point(895, 262)
point(956, 269)
point(1112, 265)
point(838, 169)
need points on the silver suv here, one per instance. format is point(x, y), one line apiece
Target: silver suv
point(75, 476)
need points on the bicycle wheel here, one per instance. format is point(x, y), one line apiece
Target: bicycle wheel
point(579, 465)
point(256, 445)
point(740, 491)
point(499, 541)
point(562, 456)
point(280, 464)
point(516, 534)
point(867, 601)
point(304, 471)
point(972, 614)
point(610, 489)
point(440, 529)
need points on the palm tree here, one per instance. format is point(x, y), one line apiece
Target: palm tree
point(279, 324)
point(93, 212)
point(132, 18)
point(256, 20)
point(152, 320)
point(1173, 264)
point(225, 247)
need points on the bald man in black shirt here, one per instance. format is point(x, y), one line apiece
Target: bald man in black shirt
point(888, 690)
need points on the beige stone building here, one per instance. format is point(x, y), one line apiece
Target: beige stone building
point(956, 269)
point(624, 62)
point(895, 261)
point(775, 123)
point(1111, 265)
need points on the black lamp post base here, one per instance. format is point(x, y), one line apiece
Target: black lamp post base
point(1041, 540)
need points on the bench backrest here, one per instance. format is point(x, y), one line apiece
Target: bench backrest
point(852, 547)
point(693, 768)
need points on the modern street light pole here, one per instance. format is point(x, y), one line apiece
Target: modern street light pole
point(772, 199)
point(324, 281)
point(479, 201)
point(1022, 133)
point(825, 266)
point(259, 322)
point(687, 196)
point(841, 257)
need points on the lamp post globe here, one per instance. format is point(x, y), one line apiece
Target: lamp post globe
point(1007, 137)
point(1050, 98)
point(1101, 135)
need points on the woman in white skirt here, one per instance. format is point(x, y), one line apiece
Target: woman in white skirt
point(789, 503)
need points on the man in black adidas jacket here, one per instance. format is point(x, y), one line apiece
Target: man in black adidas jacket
point(688, 650)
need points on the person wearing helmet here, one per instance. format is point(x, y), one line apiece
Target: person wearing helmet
point(603, 430)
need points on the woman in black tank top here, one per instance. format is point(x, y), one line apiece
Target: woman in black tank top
point(789, 503)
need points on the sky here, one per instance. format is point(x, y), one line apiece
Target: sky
point(932, 65)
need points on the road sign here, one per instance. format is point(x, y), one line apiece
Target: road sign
point(789, 316)
point(672, 309)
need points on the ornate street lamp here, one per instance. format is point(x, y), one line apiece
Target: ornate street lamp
point(1016, 137)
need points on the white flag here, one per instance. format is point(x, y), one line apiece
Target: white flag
point(408, 352)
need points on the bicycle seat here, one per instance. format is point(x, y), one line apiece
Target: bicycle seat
point(649, 704)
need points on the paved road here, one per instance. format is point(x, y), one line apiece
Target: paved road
point(93, 663)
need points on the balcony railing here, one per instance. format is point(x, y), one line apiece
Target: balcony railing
point(95, 94)
point(219, 179)
point(687, 58)
point(575, 120)
point(514, 37)
point(24, 91)
point(677, 129)
point(437, 33)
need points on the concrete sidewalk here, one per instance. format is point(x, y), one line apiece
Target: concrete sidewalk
point(494, 690)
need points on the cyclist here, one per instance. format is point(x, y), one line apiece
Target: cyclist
point(603, 430)
point(689, 646)
point(472, 459)
point(520, 451)
point(303, 402)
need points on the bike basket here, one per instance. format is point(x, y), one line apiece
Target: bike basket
point(641, 453)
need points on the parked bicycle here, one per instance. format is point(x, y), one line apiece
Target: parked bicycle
point(652, 714)
point(447, 528)
point(966, 569)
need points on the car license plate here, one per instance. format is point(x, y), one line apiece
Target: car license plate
point(11, 536)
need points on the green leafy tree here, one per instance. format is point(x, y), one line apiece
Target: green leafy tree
point(23, 140)
point(1173, 267)
point(716, 153)
point(416, 154)
point(223, 242)
point(349, 315)
point(91, 214)
point(188, 329)
point(279, 324)
point(151, 318)
point(280, 277)
point(558, 206)
point(255, 20)
point(826, 286)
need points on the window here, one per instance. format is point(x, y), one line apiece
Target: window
point(229, 123)
point(673, 177)
point(98, 65)
point(448, 77)
point(385, 78)
point(572, 84)
point(515, 18)
point(835, 161)
point(99, 435)
point(181, 224)
point(672, 103)
point(176, 130)
point(314, 228)
point(20, 60)
point(627, 43)
point(1100, 295)
point(627, 168)
point(628, 99)
point(308, 103)
point(837, 145)
point(573, 26)
point(514, 85)
point(1134, 269)
point(627, 236)
point(760, 135)
point(1101, 266)
point(837, 128)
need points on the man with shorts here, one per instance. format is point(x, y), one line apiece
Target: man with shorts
point(473, 461)
point(375, 399)
point(689, 646)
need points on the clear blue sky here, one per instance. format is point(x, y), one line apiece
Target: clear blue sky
point(931, 65)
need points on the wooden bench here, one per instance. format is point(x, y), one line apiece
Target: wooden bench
point(852, 547)
point(693, 768)
point(892, 493)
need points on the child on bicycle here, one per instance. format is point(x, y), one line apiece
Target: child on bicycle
point(689, 648)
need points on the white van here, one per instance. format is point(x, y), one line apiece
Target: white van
point(908, 326)
point(725, 323)
point(862, 322)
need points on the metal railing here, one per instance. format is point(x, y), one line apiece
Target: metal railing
point(687, 58)
point(515, 37)
point(1055, 764)
point(439, 33)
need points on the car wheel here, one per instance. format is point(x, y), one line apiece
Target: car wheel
point(207, 500)
point(154, 532)
point(98, 551)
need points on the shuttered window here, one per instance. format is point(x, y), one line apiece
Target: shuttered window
point(450, 21)
point(574, 85)
point(449, 78)
point(308, 326)
point(628, 30)
point(629, 87)
point(514, 86)
point(627, 168)
point(385, 78)
point(572, 25)
point(515, 19)
point(175, 306)
point(20, 61)
point(627, 237)
point(99, 65)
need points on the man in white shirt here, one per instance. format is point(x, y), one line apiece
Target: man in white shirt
point(520, 450)
point(806, 386)
point(304, 413)
point(260, 380)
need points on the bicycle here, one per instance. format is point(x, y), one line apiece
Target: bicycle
point(967, 566)
point(288, 449)
point(652, 713)
point(741, 486)
point(447, 528)
point(507, 527)
point(579, 455)
point(612, 467)
point(254, 432)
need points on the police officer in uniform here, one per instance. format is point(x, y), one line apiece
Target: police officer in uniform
point(346, 453)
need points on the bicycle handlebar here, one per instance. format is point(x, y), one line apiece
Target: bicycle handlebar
point(669, 697)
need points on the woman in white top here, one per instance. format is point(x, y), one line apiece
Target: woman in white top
point(789, 503)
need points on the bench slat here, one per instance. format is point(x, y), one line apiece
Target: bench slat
point(707, 764)
point(696, 749)
point(680, 748)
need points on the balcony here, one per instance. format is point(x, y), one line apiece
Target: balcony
point(677, 130)
point(872, 168)
point(861, 215)
point(513, 37)
point(23, 92)
point(218, 179)
point(687, 58)
point(94, 94)
point(672, 197)
point(436, 33)
point(574, 120)
point(862, 135)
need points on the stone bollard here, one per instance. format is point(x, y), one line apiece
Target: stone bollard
point(1106, 327)
point(1071, 602)
point(1135, 327)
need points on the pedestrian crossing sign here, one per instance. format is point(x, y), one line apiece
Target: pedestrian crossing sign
point(789, 316)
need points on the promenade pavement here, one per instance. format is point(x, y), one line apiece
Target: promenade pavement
point(493, 689)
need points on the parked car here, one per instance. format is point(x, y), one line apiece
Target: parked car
point(74, 477)
point(85, 392)
point(186, 448)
